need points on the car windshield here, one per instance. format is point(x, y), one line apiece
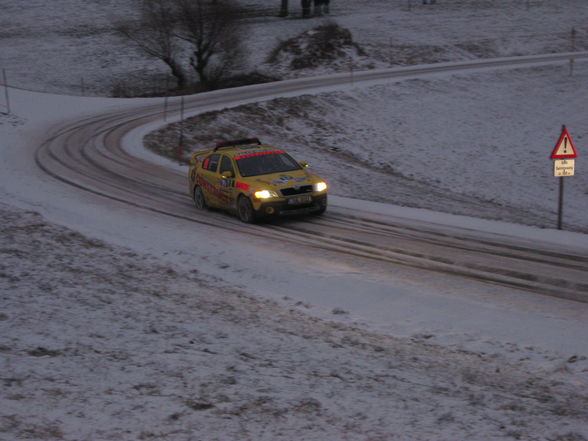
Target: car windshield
point(263, 163)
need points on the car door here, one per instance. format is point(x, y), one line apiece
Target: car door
point(208, 179)
point(226, 182)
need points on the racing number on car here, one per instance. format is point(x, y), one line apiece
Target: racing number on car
point(227, 183)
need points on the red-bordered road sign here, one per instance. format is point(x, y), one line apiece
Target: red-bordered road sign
point(564, 149)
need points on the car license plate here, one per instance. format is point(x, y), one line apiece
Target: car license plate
point(299, 200)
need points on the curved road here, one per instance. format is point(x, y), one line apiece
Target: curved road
point(88, 154)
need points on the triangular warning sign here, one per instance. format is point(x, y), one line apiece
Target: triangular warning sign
point(564, 149)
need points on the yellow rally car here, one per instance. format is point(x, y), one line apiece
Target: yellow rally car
point(254, 180)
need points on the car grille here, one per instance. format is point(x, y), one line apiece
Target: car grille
point(299, 189)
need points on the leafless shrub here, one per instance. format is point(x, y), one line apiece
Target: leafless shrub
point(447, 417)
point(199, 405)
point(43, 352)
point(476, 399)
point(42, 431)
point(216, 33)
point(155, 34)
point(207, 35)
point(320, 45)
point(571, 436)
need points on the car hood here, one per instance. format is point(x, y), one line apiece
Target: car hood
point(286, 179)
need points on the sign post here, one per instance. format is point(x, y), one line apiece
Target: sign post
point(6, 91)
point(181, 140)
point(564, 165)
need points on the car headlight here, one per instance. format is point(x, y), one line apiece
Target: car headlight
point(265, 194)
point(320, 186)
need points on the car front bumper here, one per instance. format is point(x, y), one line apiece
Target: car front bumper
point(292, 206)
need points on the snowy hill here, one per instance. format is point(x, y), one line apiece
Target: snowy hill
point(69, 45)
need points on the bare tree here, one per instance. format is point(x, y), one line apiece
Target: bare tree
point(215, 30)
point(155, 35)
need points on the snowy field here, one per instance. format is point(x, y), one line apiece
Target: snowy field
point(68, 45)
point(115, 325)
point(98, 342)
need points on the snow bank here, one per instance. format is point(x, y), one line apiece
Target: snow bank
point(99, 342)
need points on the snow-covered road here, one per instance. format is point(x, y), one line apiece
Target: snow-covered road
point(89, 155)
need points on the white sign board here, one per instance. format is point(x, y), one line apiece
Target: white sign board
point(564, 167)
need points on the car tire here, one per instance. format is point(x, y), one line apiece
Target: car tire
point(245, 210)
point(199, 200)
point(320, 211)
point(322, 208)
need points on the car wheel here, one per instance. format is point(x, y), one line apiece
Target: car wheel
point(199, 200)
point(320, 211)
point(322, 208)
point(245, 210)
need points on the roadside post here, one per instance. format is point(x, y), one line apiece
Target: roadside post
point(6, 96)
point(564, 155)
point(572, 66)
point(181, 140)
point(165, 99)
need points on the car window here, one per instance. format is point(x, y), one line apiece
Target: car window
point(262, 163)
point(211, 162)
point(226, 165)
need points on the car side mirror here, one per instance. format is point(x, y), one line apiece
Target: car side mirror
point(304, 164)
point(227, 175)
